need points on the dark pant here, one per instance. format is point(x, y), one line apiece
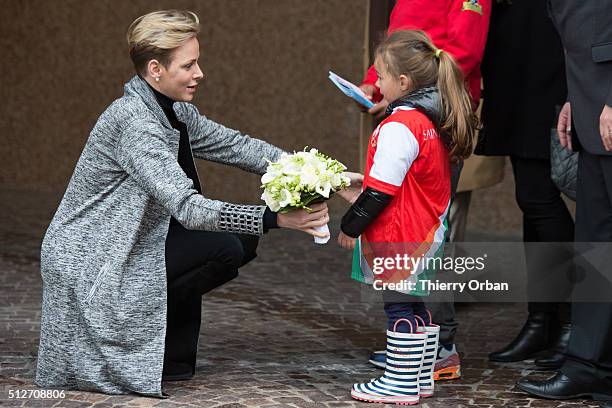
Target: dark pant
point(196, 263)
point(405, 310)
point(545, 219)
point(589, 354)
point(443, 307)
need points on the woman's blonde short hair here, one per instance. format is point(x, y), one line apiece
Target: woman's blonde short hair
point(157, 34)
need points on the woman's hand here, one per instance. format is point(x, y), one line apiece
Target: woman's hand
point(345, 241)
point(564, 126)
point(303, 220)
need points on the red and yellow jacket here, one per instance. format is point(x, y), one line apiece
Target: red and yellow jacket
point(458, 27)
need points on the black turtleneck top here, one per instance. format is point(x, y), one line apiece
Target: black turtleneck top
point(185, 156)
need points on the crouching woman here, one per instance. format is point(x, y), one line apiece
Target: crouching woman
point(134, 244)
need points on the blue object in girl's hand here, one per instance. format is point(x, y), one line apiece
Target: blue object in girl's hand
point(351, 90)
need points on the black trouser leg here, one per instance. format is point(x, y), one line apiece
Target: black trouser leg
point(196, 263)
point(589, 355)
point(545, 219)
point(182, 333)
point(443, 307)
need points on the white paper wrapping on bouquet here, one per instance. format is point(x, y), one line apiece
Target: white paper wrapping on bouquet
point(324, 229)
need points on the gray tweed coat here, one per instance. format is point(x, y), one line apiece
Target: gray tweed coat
point(102, 260)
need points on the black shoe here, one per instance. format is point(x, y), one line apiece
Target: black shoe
point(532, 339)
point(561, 387)
point(555, 356)
point(177, 371)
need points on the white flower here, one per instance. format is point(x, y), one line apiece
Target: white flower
point(336, 180)
point(285, 198)
point(268, 177)
point(323, 188)
point(272, 171)
point(270, 201)
point(292, 168)
point(309, 177)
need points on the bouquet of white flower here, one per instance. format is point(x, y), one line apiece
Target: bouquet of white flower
point(300, 179)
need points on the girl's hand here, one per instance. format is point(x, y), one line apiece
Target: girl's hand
point(345, 241)
point(350, 194)
point(305, 221)
point(356, 178)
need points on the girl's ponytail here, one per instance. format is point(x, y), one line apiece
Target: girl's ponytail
point(459, 122)
point(411, 52)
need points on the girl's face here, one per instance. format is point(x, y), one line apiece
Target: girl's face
point(180, 79)
point(391, 87)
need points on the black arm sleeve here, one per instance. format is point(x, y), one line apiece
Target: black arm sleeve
point(269, 220)
point(366, 208)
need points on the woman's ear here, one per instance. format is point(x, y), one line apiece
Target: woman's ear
point(154, 69)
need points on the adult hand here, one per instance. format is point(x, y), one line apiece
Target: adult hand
point(369, 91)
point(345, 241)
point(605, 127)
point(379, 109)
point(564, 126)
point(306, 221)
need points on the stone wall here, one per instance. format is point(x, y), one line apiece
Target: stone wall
point(265, 62)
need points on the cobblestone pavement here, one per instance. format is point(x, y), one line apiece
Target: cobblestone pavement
point(291, 331)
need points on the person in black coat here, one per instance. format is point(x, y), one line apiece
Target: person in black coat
point(585, 122)
point(524, 80)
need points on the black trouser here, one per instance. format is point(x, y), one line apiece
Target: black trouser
point(443, 307)
point(589, 354)
point(196, 263)
point(545, 219)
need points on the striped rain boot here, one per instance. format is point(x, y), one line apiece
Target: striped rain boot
point(400, 382)
point(426, 375)
point(447, 367)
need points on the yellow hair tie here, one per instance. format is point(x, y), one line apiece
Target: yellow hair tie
point(438, 52)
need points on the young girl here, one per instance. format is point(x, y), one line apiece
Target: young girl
point(402, 209)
